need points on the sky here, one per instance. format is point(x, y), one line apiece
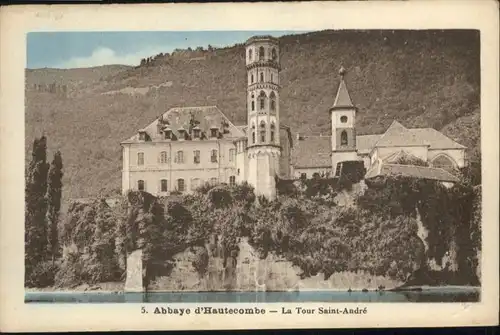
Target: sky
point(86, 49)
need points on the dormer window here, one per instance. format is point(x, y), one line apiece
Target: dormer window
point(196, 132)
point(167, 133)
point(214, 132)
point(142, 135)
point(182, 133)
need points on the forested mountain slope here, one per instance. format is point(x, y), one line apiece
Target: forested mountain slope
point(422, 79)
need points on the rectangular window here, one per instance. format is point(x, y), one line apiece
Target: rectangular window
point(164, 185)
point(232, 180)
point(232, 153)
point(180, 157)
point(303, 175)
point(163, 157)
point(140, 185)
point(338, 170)
point(196, 156)
point(140, 158)
point(213, 181)
point(213, 156)
point(180, 185)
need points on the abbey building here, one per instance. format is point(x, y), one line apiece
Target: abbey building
point(189, 146)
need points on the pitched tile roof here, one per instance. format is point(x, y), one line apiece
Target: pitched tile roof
point(365, 143)
point(179, 118)
point(420, 172)
point(312, 151)
point(435, 139)
point(343, 99)
point(399, 136)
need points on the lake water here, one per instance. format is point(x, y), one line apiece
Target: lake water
point(434, 295)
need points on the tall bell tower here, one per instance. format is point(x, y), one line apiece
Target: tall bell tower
point(264, 150)
point(343, 117)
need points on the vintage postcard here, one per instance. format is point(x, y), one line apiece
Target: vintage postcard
point(272, 165)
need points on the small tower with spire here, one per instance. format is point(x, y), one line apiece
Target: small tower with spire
point(343, 118)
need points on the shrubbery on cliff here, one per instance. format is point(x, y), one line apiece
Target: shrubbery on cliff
point(378, 237)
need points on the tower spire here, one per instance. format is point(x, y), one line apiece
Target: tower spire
point(342, 99)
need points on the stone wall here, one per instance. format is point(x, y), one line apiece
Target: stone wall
point(247, 272)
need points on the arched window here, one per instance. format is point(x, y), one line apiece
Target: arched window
point(262, 99)
point(140, 158)
point(251, 78)
point(343, 138)
point(443, 161)
point(253, 102)
point(163, 185)
point(262, 132)
point(253, 133)
point(272, 99)
point(140, 185)
point(343, 119)
point(180, 185)
point(273, 54)
point(262, 76)
point(272, 132)
point(261, 53)
point(163, 157)
point(250, 54)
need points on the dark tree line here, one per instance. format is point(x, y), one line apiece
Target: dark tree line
point(42, 208)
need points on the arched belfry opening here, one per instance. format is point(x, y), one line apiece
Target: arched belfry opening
point(262, 100)
point(261, 53)
point(272, 101)
point(343, 138)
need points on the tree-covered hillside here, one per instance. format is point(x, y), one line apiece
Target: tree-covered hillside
point(420, 78)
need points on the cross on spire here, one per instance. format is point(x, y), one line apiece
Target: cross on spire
point(342, 72)
point(342, 99)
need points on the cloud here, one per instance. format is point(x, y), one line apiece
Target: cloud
point(107, 56)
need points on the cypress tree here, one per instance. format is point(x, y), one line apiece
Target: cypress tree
point(54, 190)
point(36, 206)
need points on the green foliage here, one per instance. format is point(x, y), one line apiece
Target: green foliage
point(43, 274)
point(35, 235)
point(220, 197)
point(54, 191)
point(200, 263)
point(89, 241)
point(447, 213)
